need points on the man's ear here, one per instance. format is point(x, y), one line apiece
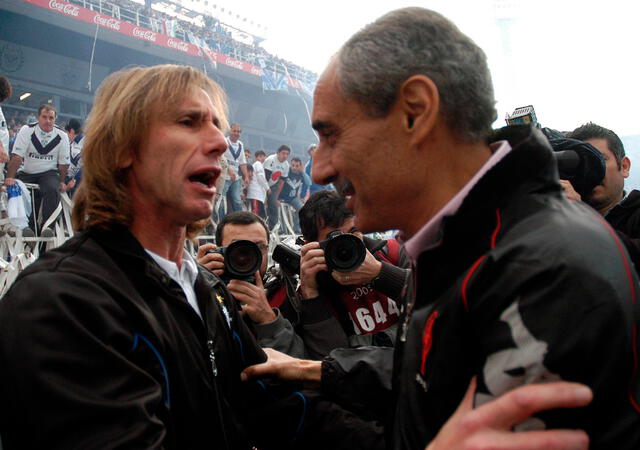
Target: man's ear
point(625, 166)
point(420, 102)
point(125, 161)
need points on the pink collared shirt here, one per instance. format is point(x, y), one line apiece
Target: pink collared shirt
point(429, 236)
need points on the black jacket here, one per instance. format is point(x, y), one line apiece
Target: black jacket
point(526, 287)
point(625, 219)
point(99, 349)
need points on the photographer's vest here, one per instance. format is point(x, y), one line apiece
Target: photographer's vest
point(369, 310)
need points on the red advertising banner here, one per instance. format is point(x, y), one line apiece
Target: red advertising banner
point(121, 26)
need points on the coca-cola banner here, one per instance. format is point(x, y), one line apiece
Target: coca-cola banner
point(145, 34)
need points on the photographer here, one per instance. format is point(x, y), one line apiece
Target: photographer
point(619, 208)
point(347, 309)
point(270, 324)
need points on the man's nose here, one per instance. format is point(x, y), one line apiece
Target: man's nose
point(322, 170)
point(216, 141)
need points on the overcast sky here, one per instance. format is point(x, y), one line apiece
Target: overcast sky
point(573, 60)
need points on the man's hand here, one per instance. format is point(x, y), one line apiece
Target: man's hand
point(63, 186)
point(4, 157)
point(364, 274)
point(212, 261)
point(569, 191)
point(253, 299)
point(285, 367)
point(489, 426)
point(9, 181)
point(71, 184)
point(311, 262)
point(232, 175)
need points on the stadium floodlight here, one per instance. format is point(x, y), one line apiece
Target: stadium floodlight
point(25, 95)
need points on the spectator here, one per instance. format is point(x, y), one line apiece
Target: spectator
point(76, 139)
point(276, 167)
point(289, 189)
point(237, 163)
point(44, 150)
point(258, 187)
point(307, 169)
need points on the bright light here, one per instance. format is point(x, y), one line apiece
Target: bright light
point(25, 95)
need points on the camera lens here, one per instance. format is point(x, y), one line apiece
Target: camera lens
point(242, 259)
point(344, 252)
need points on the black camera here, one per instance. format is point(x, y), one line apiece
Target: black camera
point(242, 259)
point(288, 258)
point(580, 163)
point(343, 252)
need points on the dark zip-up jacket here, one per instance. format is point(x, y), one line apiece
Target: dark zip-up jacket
point(100, 349)
point(625, 219)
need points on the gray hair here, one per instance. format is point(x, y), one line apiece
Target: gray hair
point(373, 64)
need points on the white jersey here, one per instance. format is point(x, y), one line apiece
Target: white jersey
point(274, 169)
point(76, 156)
point(41, 151)
point(257, 189)
point(235, 154)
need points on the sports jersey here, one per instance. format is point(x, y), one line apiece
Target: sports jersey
point(41, 151)
point(274, 169)
point(235, 154)
point(291, 187)
point(257, 189)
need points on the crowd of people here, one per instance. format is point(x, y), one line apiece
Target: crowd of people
point(261, 183)
point(210, 31)
point(502, 315)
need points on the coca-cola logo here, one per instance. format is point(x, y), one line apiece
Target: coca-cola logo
point(178, 45)
point(65, 8)
point(107, 22)
point(233, 63)
point(147, 35)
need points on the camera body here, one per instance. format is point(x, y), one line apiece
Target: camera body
point(288, 258)
point(242, 259)
point(343, 252)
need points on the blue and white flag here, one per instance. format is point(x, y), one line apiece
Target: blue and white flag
point(273, 81)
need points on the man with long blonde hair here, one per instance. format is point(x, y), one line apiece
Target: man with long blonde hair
point(118, 338)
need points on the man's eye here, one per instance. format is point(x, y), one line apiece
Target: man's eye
point(186, 122)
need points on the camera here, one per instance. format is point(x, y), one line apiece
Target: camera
point(343, 252)
point(288, 258)
point(578, 162)
point(242, 259)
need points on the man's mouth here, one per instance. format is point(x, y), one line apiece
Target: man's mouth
point(344, 188)
point(207, 178)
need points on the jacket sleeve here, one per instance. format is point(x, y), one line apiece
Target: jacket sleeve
point(321, 331)
point(65, 358)
point(360, 378)
point(280, 336)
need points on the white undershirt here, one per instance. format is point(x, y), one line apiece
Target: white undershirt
point(185, 276)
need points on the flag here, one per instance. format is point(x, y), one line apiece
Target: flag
point(273, 81)
point(170, 27)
